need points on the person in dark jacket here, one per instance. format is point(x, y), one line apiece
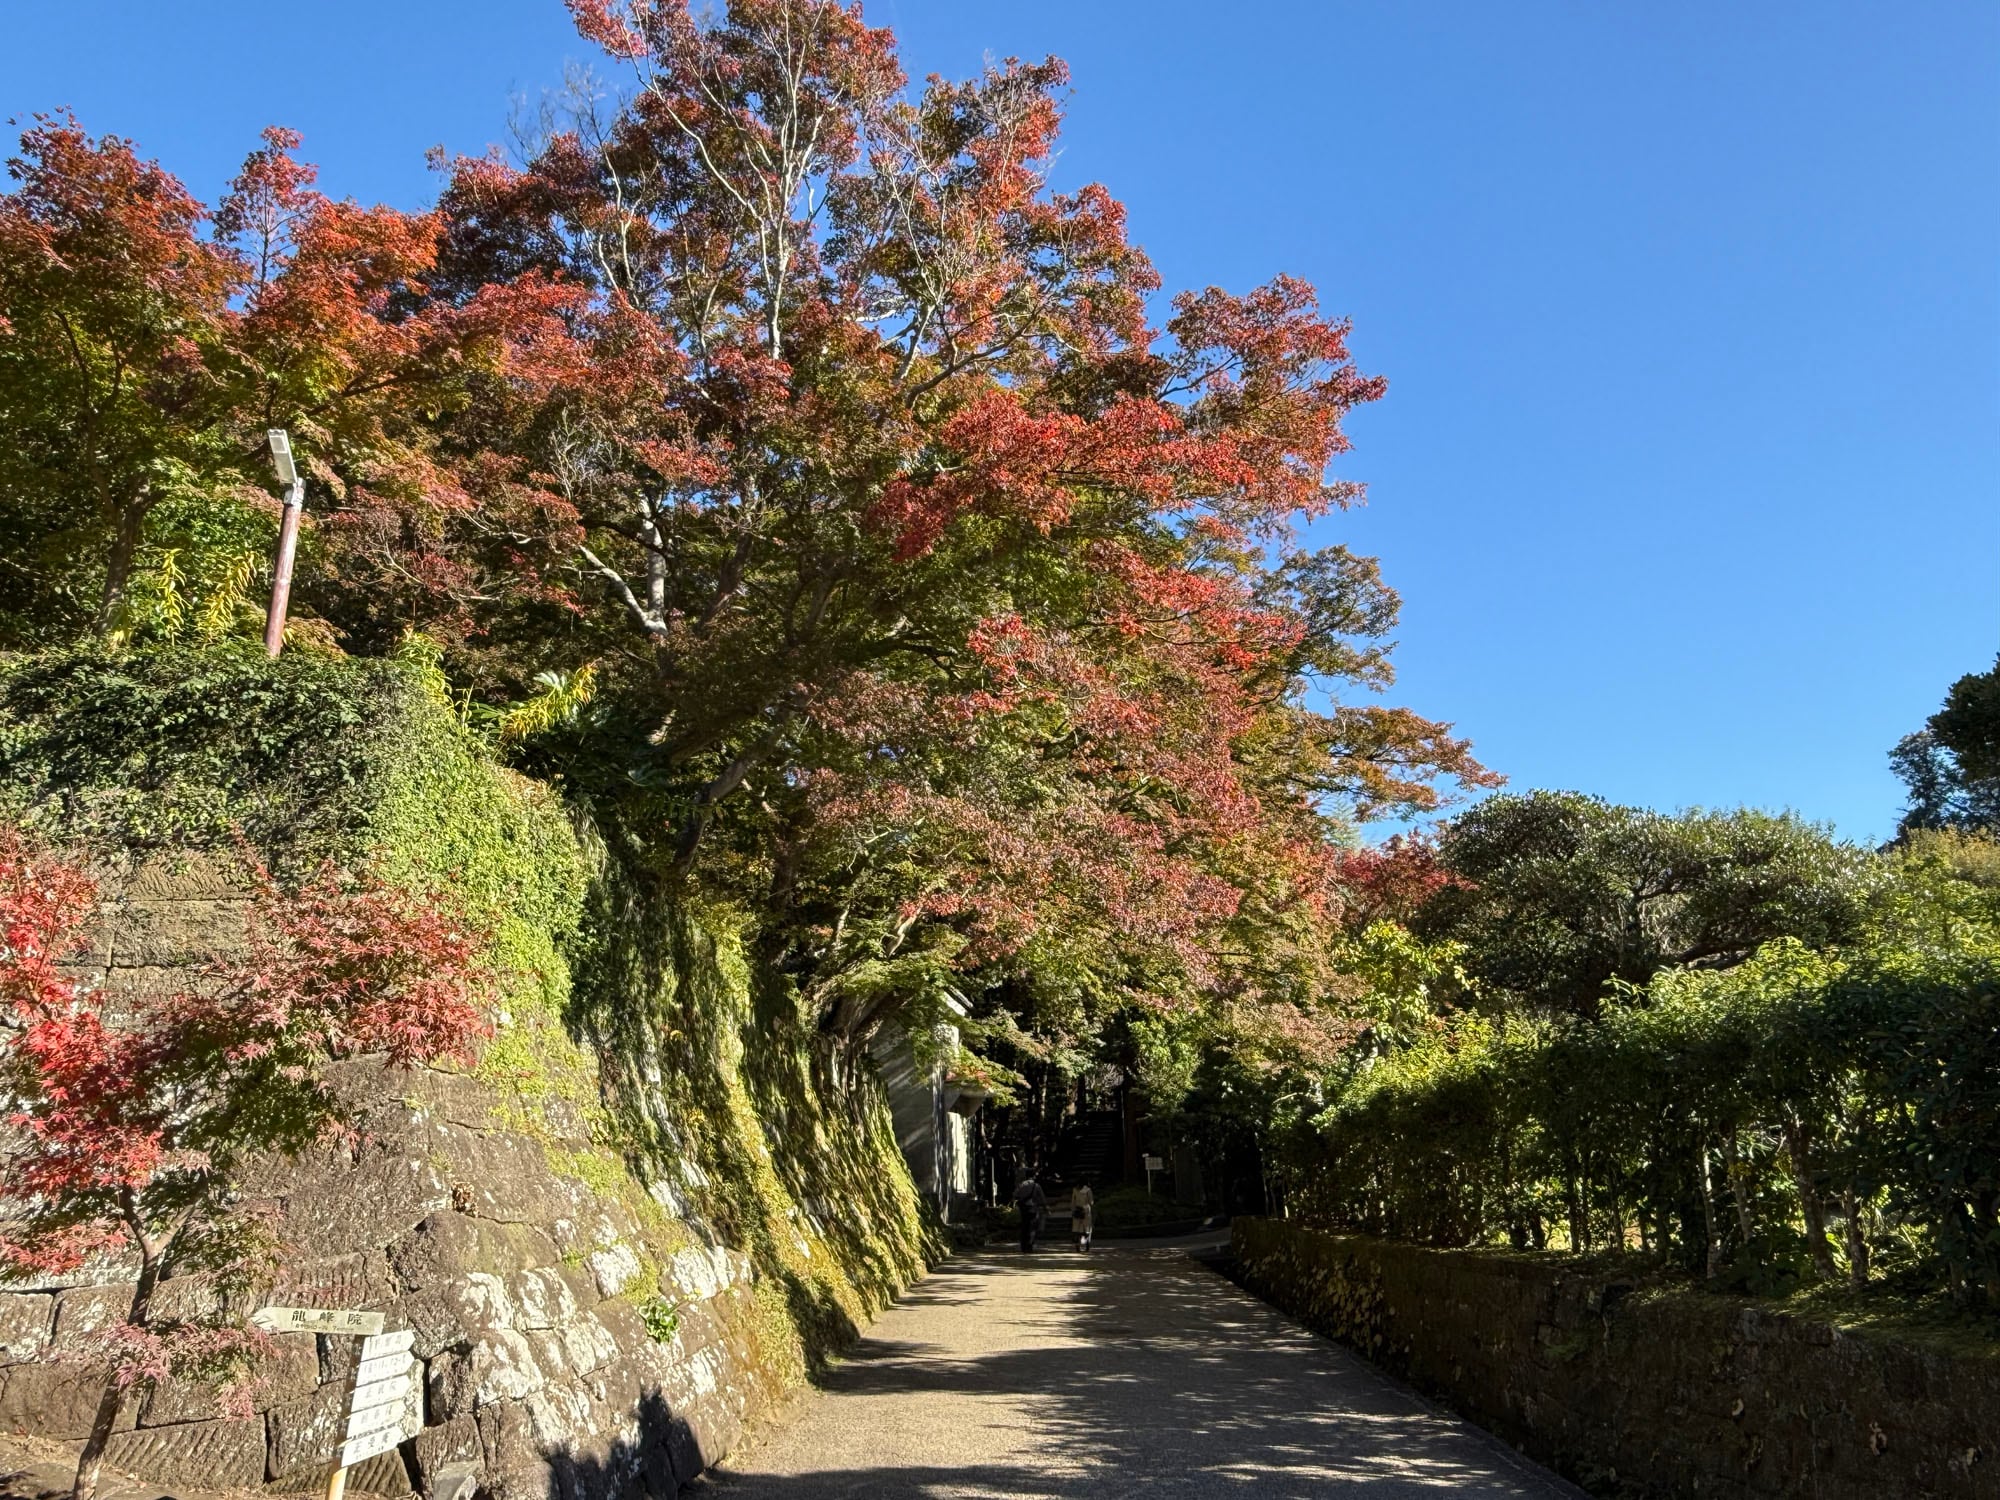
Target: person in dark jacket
point(1033, 1204)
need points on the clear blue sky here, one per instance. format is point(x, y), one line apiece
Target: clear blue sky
point(1689, 471)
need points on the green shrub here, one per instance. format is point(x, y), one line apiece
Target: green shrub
point(186, 747)
point(1800, 1115)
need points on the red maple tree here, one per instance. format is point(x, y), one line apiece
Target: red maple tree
point(1391, 881)
point(147, 343)
point(132, 1119)
point(944, 594)
point(939, 599)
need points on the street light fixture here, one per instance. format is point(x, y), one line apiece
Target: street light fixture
point(288, 539)
point(281, 456)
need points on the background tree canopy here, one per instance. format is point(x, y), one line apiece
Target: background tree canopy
point(1560, 894)
point(1952, 764)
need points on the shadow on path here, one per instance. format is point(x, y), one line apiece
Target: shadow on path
point(1133, 1372)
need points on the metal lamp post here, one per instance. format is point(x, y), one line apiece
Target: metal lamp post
point(288, 539)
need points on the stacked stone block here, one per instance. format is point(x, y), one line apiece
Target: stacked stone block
point(527, 1289)
point(1643, 1391)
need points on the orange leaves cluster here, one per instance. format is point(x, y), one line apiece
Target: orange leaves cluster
point(44, 904)
point(147, 335)
point(94, 214)
point(364, 966)
point(1235, 438)
point(129, 1119)
point(1390, 883)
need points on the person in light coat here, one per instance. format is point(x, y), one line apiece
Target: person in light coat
point(1082, 1214)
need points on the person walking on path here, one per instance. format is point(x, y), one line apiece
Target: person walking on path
point(1033, 1204)
point(1082, 1214)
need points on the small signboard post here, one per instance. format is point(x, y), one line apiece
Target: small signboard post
point(382, 1382)
point(1153, 1164)
point(384, 1373)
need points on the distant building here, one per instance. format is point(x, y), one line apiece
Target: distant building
point(932, 1113)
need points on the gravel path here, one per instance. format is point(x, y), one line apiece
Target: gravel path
point(1129, 1373)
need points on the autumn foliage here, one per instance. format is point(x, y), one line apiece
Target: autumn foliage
point(863, 531)
point(132, 1118)
point(147, 342)
point(951, 605)
point(1391, 882)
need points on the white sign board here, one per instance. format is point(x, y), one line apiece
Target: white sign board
point(379, 1403)
point(373, 1419)
point(382, 1343)
point(383, 1393)
point(384, 1377)
point(380, 1441)
point(317, 1320)
point(1156, 1164)
point(380, 1368)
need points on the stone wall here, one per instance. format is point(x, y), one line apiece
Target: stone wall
point(576, 1337)
point(640, 1219)
point(529, 1298)
point(1642, 1393)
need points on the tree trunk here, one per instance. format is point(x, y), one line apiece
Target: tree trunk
point(1810, 1203)
point(1712, 1256)
point(123, 557)
point(1133, 1113)
point(1856, 1238)
point(90, 1462)
point(118, 562)
point(1737, 1171)
point(1517, 1224)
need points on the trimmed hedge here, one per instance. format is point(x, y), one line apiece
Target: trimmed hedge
point(1798, 1117)
point(188, 748)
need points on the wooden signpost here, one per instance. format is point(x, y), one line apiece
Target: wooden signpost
point(384, 1374)
point(382, 1384)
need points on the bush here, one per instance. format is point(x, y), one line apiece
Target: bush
point(1763, 1125)
point(186, 747)
point(1132, 1208)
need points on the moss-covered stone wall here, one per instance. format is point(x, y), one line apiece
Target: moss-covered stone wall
point(643, 1214)
point(1641, 1392)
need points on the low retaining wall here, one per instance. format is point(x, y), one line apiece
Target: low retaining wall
point(1638, 1393)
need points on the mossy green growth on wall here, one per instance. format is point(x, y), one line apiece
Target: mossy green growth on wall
point(307, 758)
point(630, 1017)
point(145, 751)
point(723, 1104)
